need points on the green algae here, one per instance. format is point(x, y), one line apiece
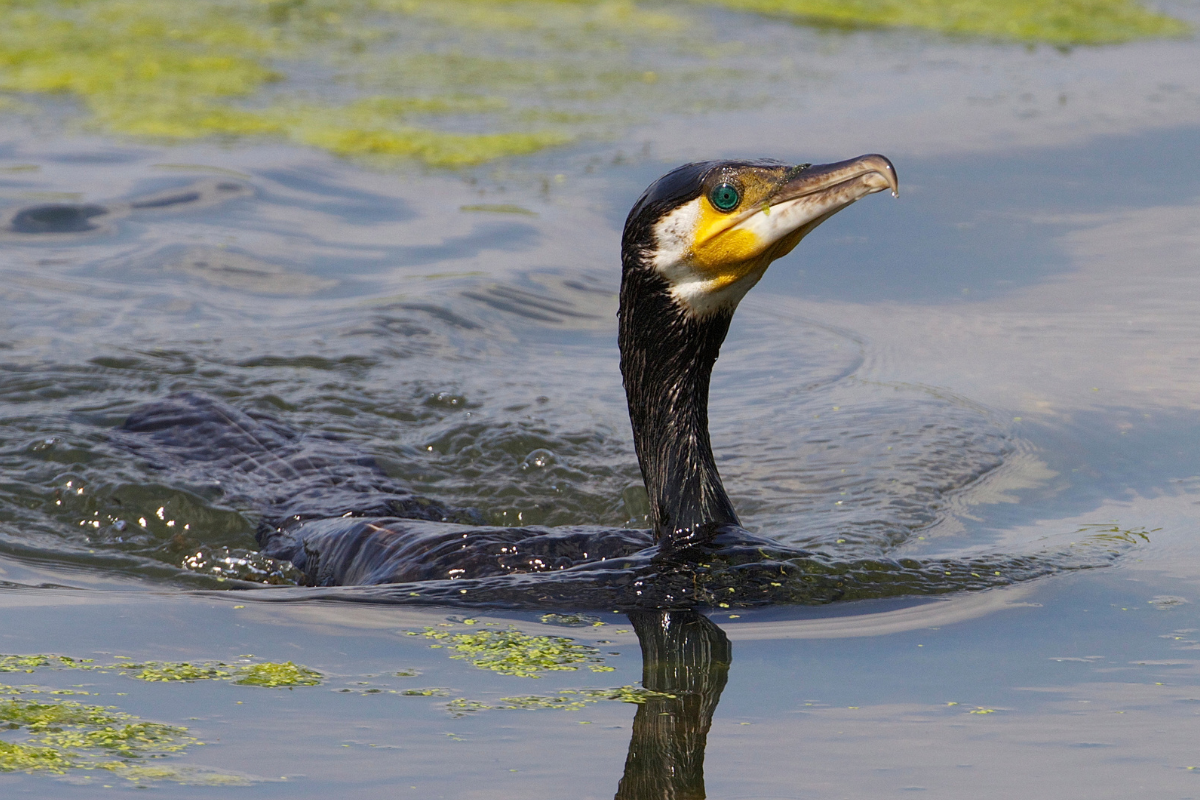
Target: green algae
point(32, 662)
point(168, 671)
point(30, 758)
point(43, 732)
point(572, 620)
point(1111, 533)
point(435, 149)
point(498, 208)
point(144, 774)
point(62, 735)
point(282, 675)
point(176, 70)
point(565, 700)
point(512, 652)
point(447, 83)
point(1057, 22)
point(56, 735)
point(266, 674)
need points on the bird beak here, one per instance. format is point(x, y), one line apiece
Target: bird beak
point(728, 253)
point(851, 179)
point(808, 196)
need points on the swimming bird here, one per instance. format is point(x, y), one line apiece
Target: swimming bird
point(695, 242)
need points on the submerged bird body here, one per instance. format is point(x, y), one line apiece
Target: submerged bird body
point(695, 242)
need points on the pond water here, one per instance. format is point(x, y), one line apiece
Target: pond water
point(1000, 364)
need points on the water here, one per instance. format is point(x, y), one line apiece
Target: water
point(1001, 362)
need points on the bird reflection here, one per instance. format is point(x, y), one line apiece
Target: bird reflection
point(686, 658)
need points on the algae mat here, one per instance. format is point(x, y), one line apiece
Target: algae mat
point(66, 719)
point(451, 83)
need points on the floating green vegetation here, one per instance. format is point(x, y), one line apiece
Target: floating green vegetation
point(572, 620)
point(33, 662)
point(565, 700)
point(448, 83)
point(1109, 532)
point(167, 671)
point(1057, 22)
point(511, 652)
point(267, 674)
point(184, 69)
point(52, 735)
point(498, 208)
point(275, 676)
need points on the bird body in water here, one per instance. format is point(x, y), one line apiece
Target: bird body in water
point(695, 242)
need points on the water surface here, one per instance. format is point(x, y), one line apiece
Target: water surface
point(1001, 362)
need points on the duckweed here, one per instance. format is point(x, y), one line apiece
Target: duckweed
point(434, 148)
point(266, 674)
point(27, 758)
point(498, 208)
point(61, 735)
point(56, 736)
point(30, 663)
point(461, 706)
point(1058, 22)
point(565, 700)
point(572, 620)
point(286, 674)
point(511, 652)
point(184, 69)
point(164, 671)
point(42, 732)
point(448, 83)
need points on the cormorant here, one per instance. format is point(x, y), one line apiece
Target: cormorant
point(695, 242)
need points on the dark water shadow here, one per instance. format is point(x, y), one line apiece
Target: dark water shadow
point(56, 222)
point(57, 218)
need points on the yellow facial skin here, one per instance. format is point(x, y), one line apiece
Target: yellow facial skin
point(779, 206)
point(724, 253)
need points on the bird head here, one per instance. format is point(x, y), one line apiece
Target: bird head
point(711, 229)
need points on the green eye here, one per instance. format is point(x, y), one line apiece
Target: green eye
point(725, 197)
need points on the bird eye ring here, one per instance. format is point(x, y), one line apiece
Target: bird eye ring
point(725, 197)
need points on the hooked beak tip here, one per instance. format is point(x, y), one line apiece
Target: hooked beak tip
point(883, 166)
point(872, 172)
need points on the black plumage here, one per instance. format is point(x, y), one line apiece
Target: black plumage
point(667, 359)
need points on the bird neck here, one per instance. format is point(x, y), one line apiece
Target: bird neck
point(667, 359)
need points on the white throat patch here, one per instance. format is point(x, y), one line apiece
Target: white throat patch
point(699, 295)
